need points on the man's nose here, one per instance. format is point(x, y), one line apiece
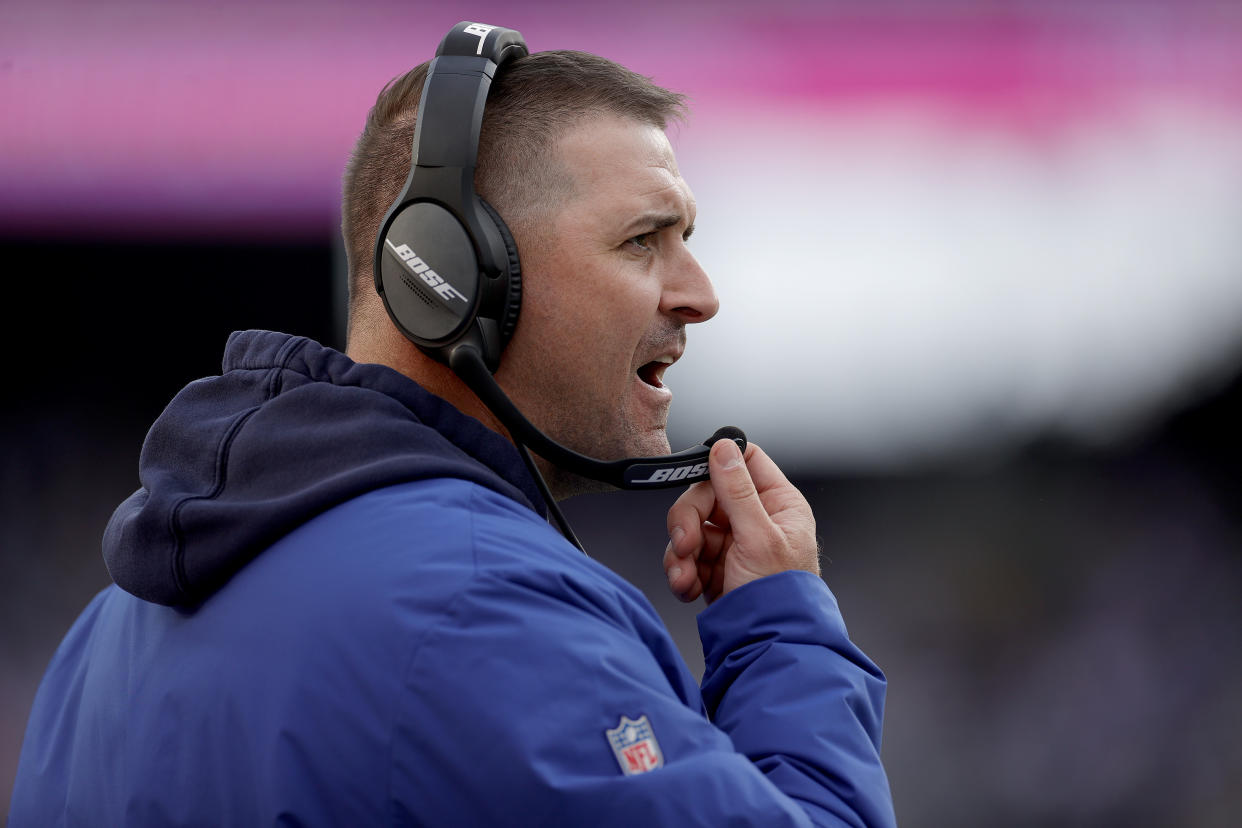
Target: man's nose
point(689, 294)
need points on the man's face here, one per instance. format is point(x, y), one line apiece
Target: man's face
point(608, 288)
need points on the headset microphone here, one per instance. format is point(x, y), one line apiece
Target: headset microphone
point(678, 469)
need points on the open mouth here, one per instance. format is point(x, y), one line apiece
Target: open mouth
point(653, 372)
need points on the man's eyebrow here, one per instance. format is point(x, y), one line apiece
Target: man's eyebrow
point(654, 222)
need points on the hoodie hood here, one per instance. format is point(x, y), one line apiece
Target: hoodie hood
point(289, 429)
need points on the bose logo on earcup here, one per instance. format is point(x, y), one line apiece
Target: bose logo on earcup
point(419, 268)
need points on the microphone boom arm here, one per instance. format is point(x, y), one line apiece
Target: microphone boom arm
point(679, 469)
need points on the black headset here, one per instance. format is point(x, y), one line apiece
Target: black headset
point(447, 267)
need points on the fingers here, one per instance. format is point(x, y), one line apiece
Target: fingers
point(699, 522)
point(690, 556)
point(686, 519)
point(746, 522)
point(683, 579)
point(699, 504)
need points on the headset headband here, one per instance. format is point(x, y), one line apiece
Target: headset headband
point(454, 94)
point(469, 287)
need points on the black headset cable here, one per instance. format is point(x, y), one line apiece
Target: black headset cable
point(557, 515)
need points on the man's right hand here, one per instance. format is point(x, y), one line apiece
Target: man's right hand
point(747, 522)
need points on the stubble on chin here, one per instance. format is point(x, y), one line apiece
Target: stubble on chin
point(605, 441)
point(614, 437)
point(565, 484)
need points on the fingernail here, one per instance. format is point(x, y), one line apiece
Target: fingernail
point(730, 455)
point(676, 536)
point(674, 574)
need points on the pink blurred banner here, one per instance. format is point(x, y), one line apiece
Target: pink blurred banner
point(172, 119)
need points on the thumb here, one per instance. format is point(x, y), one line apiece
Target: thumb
point(735, 492)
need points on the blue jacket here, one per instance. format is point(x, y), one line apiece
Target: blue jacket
point(339, 602)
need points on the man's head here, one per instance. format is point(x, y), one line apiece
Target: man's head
point(573, 156)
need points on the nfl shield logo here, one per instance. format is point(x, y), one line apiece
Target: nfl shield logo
point(635, 746)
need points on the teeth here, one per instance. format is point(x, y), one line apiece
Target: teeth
point(652, 372)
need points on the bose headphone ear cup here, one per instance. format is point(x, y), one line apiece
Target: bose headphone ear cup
point(513, 302)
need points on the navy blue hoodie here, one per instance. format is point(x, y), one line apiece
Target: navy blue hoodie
point(338, 602)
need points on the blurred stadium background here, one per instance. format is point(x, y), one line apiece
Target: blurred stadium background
point(981, 270)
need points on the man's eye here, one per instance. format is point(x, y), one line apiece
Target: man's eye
point(642, 240)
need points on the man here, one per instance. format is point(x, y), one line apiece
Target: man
point(340, 601)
